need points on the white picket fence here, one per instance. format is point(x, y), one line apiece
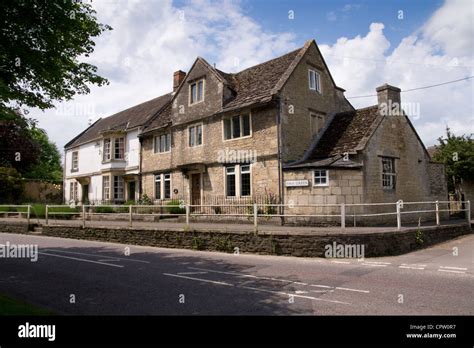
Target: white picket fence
point(340, 212)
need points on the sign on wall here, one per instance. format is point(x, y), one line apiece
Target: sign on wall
point(296, 183)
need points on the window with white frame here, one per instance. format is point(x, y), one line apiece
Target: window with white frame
point(106, 153)
point(230, 181)
point(388, 173)
point(118, 188)
point(196, 92)
point(238, 181)
point(245, 188)
point(321, 177)
point(314, 80)
point(163, 143)
point(195, 135)
point(75, 161)
point(119, 148)
point(162, 186)
point(106, 188)
point(73, 191)
point(237, 126)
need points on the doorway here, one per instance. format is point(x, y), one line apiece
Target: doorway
point(131, 191)
point(195, 190)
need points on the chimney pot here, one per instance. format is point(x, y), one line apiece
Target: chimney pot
point(178, 77)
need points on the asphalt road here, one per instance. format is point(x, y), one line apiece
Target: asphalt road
point(156, 281)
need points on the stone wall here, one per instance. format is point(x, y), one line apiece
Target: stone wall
point(294, 244)
point(345, 186)
point(417, 178)
point(298, 101)
point(13, 227)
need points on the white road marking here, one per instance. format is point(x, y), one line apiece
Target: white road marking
point(282, 280)
point(377, 262)
point(301, 292)
point(198, 279)
point(86, 254)
point(456, 268)
point(322, 286)
point(83, 260)
point(293, 295)
point(321, 290)
point(108, 260)
point(373, 264)
point(448, 270)
point(191, 273)
point(356, 290)
point(255, 289)
point(345, 262)
point(409, 267)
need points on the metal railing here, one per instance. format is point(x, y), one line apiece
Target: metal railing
point(5, 209)
point(338, 212)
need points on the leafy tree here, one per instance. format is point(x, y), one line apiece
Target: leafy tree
point(11, 185)
point(457, 153)
point(28, 150)
point(18, 149)
point(48, 166)
point(40, 46)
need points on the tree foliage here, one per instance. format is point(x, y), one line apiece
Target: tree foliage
point(457, 153)
point(27, 149)
point(40, 46)
point(48, 166)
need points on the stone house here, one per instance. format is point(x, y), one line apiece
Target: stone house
point(283, 130)
point(280, 131)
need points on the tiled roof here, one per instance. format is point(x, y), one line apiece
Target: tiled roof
point(253, 85)
point(132, 117)
point(161, 120)
point(257, 83)
point(347, 132)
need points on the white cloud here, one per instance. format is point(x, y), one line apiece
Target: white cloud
point(438, 52)
point(150, 40)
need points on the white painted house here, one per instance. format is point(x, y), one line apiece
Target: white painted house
point(102, 164)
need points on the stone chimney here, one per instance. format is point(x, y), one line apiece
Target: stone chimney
point(388, 98)
point(178, 77)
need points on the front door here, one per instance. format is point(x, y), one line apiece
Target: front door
point(195, 189)
point(131, 191)
point(85, 193)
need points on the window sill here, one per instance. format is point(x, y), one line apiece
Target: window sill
point(239, 138)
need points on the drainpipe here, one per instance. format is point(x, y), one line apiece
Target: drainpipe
point(280, 171)
point(140, 140)
point(64, 177)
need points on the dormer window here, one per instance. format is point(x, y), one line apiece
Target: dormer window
point(314, 80)
point(196, 92)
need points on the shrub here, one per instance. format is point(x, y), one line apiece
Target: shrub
point(174, 207)
point(103, 210)
point(64, 210)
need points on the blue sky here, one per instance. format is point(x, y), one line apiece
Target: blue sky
point(326, 21)
point(364, 43)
